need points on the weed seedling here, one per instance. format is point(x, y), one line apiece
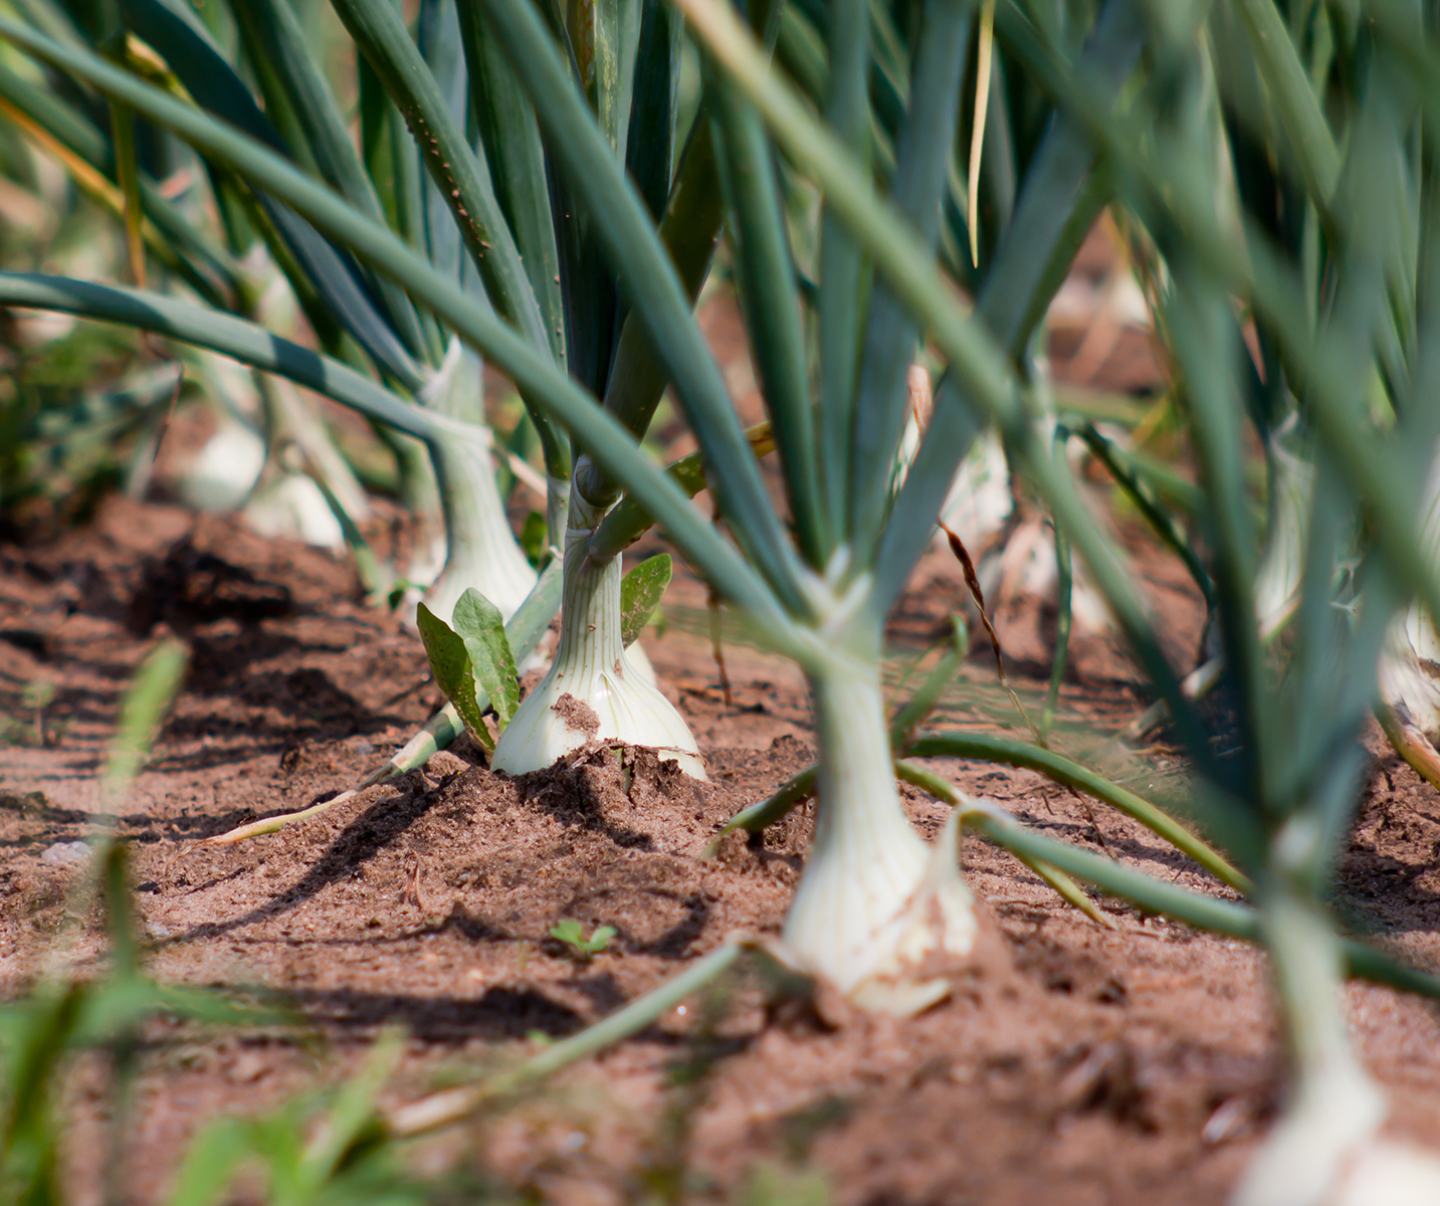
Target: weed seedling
point(572, 934)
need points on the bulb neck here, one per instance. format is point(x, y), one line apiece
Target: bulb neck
point(480, 549)
point(477, 530)
point(859, 803)
point(1306, 963)
point(557, 509)
point(1333, 1109)
point(590, 636)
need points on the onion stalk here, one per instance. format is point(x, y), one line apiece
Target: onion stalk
point(480, 547)
point(593, 692)
point(1292, 493)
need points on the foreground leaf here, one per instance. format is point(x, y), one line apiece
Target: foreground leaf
point(640, 593)
point(482, 629)
point(450, 663)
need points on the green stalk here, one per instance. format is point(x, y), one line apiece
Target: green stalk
point(1004, 751)
point(772, 809)
point(237, 338)
point(176, 32)
point(638, 375)
point(655, 291)
point(1204, 347)
point(1007, 752)
point(1062, 884)
point(127, 172)
point(1122, 465)
point(1321, 368)
point(64, 132)
point(891, 333)
point(1057, 207)
point(628, 520)
point(1307, 135)
point(924, 698)
point(274, 36)
point(461, 178)
point(511, 137)
point(459, 173)
point(1224, 917)
point(843, 300)
point(766, 275)
point(1064, 619)
point(974, 357)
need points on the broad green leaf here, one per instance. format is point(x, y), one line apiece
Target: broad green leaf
point(482, 629)
point(450, 664)
point(568, 930)
point(640, 593)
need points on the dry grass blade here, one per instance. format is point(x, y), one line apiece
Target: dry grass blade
point(972, 583)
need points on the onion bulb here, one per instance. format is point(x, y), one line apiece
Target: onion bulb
point(592, 692)
point(877, 909)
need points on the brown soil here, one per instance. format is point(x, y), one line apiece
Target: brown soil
point(1131, 1064)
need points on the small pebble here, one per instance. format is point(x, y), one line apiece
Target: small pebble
point(66, 854)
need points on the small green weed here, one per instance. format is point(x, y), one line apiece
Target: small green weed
point(572, 934)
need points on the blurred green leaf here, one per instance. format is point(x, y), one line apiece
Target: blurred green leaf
point(640, 593)
point(534, 533)
point(149, 698)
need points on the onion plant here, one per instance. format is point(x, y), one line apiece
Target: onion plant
point(510, 205)
point(874, 904)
